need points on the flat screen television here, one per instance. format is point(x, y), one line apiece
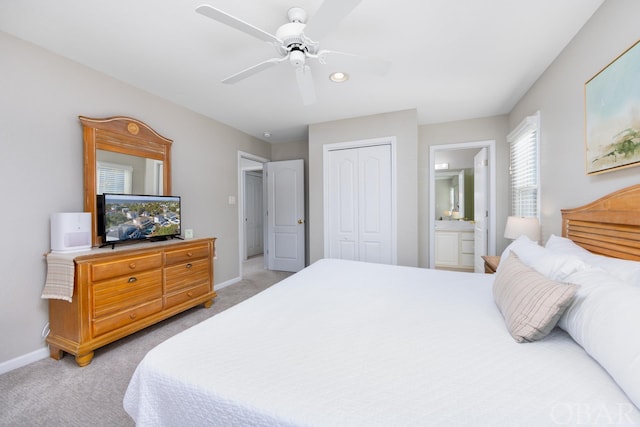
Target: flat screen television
point(130, 217)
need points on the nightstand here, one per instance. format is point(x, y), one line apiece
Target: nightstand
point(490, 263)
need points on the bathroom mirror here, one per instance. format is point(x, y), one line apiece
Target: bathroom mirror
point(450, 196)
point(140, 157)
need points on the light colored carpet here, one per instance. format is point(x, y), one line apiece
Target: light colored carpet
point(59, 393)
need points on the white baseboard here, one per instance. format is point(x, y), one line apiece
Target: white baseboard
point(24, 360)
point(227, 283)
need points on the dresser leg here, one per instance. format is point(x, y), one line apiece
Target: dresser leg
point(84, 359)
point(55, 352)
point(208, 304)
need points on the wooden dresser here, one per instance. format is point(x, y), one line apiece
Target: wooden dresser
point(118, 292)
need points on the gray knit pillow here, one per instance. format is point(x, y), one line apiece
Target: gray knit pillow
point(530, 303)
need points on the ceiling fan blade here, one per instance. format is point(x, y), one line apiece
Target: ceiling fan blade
point(327, 17)
point(305, 85)
point(232, 21)
point(253, 70)
point(374, 65)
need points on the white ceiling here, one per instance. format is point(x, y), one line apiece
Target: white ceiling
point(451, 59)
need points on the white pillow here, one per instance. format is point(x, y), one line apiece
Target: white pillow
point(557, 266)
point(562, 244)
point(552, 265)
point(604, 318)
point(625, 270)
point(526, 249)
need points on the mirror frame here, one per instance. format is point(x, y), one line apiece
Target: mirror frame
point(121, 135)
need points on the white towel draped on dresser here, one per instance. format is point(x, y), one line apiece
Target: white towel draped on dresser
point(60, 273)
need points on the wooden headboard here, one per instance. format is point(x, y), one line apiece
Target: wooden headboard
point(609, 226)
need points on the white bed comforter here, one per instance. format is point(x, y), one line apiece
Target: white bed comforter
point(357, 344)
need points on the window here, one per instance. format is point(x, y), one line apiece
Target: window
point(113, 178)
point(524, 167)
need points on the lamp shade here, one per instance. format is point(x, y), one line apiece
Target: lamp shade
point(518, 226)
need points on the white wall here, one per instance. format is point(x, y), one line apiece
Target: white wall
point(42, 172)
point(559, 95)
point(403, 125)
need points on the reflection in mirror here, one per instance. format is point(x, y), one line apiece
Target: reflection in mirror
point(452, 202)
point(127, 174)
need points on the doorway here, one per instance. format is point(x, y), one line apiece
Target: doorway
point(253, 213)
point(248, 164)
point(465, 150)
point(281, 207)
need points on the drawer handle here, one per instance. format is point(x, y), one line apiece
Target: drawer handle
point(190, 293)
point(132, 316)
point(132, 279)
point(189, 254)
point(189, 265)
point(132, 265)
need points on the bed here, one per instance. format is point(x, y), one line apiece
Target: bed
point(358, 344)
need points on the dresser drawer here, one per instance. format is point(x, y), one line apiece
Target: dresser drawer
point(186, 255)
point(109, 269)
point(118, 320)
point(122, 293)
point(187, 275)
point(186, 294)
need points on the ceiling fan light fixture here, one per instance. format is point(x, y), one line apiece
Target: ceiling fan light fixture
point(338, 77)
point(297, 58)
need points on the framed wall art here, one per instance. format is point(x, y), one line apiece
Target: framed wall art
point(612, 114)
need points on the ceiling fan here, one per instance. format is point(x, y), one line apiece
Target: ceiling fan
point(297, 42)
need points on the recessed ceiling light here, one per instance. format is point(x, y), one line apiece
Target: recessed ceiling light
point(266, 134)
point(339, 77)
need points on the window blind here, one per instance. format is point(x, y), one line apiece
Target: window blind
point(113, 178)
point(523, 168)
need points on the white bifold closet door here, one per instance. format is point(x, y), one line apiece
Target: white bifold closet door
point(360, 204)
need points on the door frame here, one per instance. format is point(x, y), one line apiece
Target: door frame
point(240, 205)
point(326, 148)
point(491, 231)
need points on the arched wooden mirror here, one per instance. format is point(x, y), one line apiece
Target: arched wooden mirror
point(123, 155)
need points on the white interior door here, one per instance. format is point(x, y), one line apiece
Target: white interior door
point(253, 213)
point(285, 215)
point(359, 205)
point(480, 202)
point(343, 204)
